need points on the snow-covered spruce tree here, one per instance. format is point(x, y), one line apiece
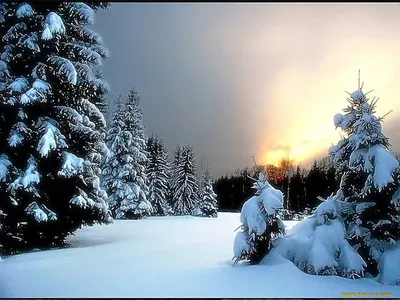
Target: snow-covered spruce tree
point(370, 181)
point(318, 245)
point(172, 175)
point(51, 130)
point(125, 168)
point(207, 204)
point(184, 185)
point(111, 175)
point(157, 170)
point(260, 223)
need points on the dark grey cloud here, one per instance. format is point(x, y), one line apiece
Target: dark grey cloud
point(237, 79)
point(175, 55)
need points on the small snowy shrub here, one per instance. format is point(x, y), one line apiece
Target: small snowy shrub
point(318, 245)
point(260, 223)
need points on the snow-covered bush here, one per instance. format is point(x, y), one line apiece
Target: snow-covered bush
point(370, 181)
point(318, 245)
point(260, 223)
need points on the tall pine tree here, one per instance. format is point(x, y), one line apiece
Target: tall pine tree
point(184, 185)
point(51, 130)
point(125, 169)
point(173, 172)
point(157, 173)
point(370, 180)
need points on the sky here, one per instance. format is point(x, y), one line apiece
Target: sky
point(238, 80)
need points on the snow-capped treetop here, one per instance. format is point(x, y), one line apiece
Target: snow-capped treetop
point(365, 147)
point(358, 97)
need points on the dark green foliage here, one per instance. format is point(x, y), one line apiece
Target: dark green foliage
point(52, 133)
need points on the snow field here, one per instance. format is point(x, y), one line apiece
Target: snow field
point(165, 257)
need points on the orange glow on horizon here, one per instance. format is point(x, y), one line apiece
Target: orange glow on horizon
point(303, 116)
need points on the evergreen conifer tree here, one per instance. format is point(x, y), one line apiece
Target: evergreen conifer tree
point(260, 223)
point(173, 172)
point(51, 129)
point(208, 204)
point(370, 180)
point(184, 188)
point(157, 170)
point(125, 169)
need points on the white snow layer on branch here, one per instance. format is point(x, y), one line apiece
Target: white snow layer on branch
point(52, 25)
point(5, 165)
point(51, 139)
point(37, 93)
point(40, 212)
point(240, 244)
point(34, 210)
point(379, 160)
point(65, 67)
point(72, 165)
point(396, 198)
point(19, 85)
point(82, 12)
point(389, 266)
point(93, 112)
point(25, 10)
point(17, 134)
point(358, 96)
point(82, 202)
point(27, 179)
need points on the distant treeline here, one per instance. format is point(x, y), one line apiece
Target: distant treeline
point(304, 185)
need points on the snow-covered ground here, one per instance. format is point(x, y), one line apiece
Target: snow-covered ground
point(165, 257)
